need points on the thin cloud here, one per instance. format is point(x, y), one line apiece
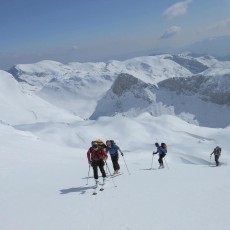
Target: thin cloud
point(178, 9)
point(221, 24)
point(75, 47)
point(170, 32)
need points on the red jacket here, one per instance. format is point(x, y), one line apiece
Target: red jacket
point(96, 155)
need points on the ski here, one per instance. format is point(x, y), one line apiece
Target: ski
point(119, 174)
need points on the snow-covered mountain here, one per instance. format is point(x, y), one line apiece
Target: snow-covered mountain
point(184, 85)
point(190, 63)
point(209, 87)
point(78, 86)
point(128, 95)
point(205, 95)
point(203, 99)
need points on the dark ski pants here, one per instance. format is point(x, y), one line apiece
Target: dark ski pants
point(114, 159)
point(95, 165)
point(217, 160)
point(161, 156)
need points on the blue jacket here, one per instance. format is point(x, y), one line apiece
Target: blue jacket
point(113, 151)
point(160, 150)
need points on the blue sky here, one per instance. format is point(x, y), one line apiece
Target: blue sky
point(94, 30)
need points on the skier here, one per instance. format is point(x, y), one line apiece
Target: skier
point(217, 153)
point(162, 154)
point(96, 157)
point(113, 149)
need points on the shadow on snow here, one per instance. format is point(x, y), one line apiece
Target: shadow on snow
point(82, 190)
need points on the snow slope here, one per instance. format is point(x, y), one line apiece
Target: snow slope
point(19, 106)
point(43, 170)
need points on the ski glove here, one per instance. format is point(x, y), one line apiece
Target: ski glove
point(122, 154)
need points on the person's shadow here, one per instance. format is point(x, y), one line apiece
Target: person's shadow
point(82, 190)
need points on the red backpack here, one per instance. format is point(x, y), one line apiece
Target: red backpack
point(96, 154)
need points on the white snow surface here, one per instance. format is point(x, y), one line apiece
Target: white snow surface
point(44, 169)
point(43, 173)
point(19, 106)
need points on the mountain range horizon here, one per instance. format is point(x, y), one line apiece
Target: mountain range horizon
point(184, 85)
point(214, 46)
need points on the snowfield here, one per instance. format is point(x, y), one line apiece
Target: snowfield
point(44, 140)
point(43, 173)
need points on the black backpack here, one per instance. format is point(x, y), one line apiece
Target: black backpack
point(217, 151)
point(112, 142)
point(164, 146)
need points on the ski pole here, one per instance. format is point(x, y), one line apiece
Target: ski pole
point(110, 173)
point(106, 171)
point(88, 175)
point(166, 163)
point(125, 162)
point(152, 163)
point(210, 160)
